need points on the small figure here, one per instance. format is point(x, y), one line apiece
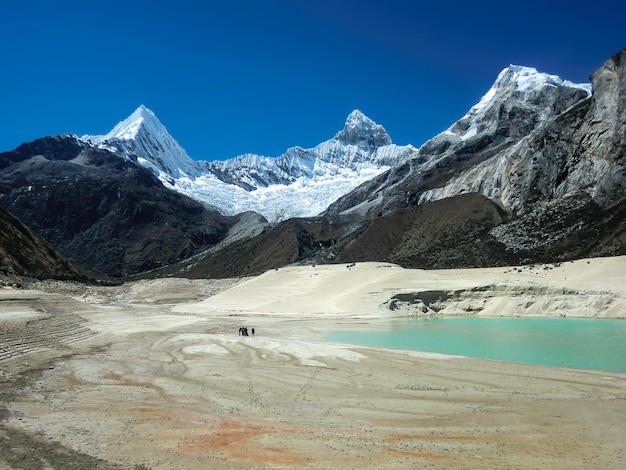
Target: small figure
point(253, 332)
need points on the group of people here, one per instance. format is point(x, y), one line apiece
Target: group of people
point(243, 331)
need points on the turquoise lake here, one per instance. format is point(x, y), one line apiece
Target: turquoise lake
point(564, 342)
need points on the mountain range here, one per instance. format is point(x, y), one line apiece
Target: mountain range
point(299, 183)
point(534, 172)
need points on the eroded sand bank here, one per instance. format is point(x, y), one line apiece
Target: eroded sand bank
point(155, 374)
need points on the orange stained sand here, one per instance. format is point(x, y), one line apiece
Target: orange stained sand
point(235, 440)
point(227, 438)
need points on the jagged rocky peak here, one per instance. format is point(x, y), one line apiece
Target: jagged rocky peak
point(361, 130)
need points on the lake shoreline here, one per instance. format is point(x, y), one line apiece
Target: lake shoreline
point(529, 340)
point(154, 374)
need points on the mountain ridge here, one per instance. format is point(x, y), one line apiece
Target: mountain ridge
point(519, 100)
point(533, 173)
point(306, 182)
point(547, 153)
point(25, 253)
point(143, 138)
point(299, 183)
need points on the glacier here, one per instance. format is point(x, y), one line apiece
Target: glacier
point(299, 183)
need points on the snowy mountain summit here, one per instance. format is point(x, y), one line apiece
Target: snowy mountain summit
point(361, 130)
point(299, 183)
point(520, 98)
point(141, 135)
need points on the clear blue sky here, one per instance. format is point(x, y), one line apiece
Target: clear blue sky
point(231, 77)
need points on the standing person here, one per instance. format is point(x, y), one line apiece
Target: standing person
point(252, 332)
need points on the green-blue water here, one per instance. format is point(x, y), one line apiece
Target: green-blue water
point(564, 342)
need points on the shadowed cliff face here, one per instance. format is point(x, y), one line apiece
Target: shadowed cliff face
point(580, 152)
point(24, 253)
point(105, 211)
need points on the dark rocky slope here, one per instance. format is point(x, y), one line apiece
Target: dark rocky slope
point(106, 211)
point(23, 253)
point(454, 232)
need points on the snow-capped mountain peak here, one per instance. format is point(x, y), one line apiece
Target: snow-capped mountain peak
point(528, 78)
point(141, 135)
point(523, 81)
point(361, 130)
point(356, 119)
point(520, 101)
point(518, 90)
point(301, 182)
point(132, 125)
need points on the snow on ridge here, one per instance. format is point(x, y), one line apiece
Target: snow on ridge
point(302, 182)
point(299, 183)
point(126, 129)
point(529, 78)
point(525, 79)
point(514, 80)
point(304, 197)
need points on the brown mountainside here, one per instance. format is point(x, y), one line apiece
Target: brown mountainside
point(24, 253)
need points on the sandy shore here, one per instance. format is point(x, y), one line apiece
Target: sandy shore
point(154, 374)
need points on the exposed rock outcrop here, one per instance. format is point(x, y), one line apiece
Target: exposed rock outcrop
point(361, 130)
point(499, 299)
